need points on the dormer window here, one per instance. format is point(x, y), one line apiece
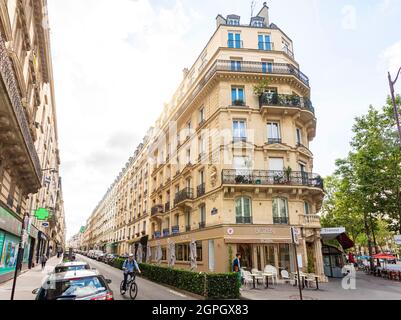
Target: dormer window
point(233, 22)
point(257, 22)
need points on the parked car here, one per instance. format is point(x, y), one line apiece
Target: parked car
point(75, 285)
point(100, 256)
point(109, 258)
point(71, 266)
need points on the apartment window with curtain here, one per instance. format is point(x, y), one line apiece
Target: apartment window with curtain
point(306, 208)
point(243, 210)
point(202, 216)
point(201, 115)
point(267, 67)
point(239, 130)
point(273, 132)
point(298, 136)
point(280, 211)
point(237, 96)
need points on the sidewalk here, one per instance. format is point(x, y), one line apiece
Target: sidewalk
point(367, 288)
point(28, 281)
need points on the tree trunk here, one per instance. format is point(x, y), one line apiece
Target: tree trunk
point(369, 241)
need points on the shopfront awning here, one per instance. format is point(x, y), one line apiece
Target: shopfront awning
point(339, 234)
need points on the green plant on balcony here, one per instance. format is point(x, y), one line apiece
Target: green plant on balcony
point(261, 87)
point(288, 172)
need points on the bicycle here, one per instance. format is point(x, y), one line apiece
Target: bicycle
point(131, 284)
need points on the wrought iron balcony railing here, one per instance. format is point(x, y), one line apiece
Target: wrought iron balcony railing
point(175, 229)
point(268, 46)
point(280, 220)
point(157, 209)
point(265, 177)
point(167, 206)
point(244, 220)
point(166, 232)
point(185, 194)
point(202, 224)
point(285, 100)
point(200, 190)
point(187, 228)
point(10, 82)
point(273, 140)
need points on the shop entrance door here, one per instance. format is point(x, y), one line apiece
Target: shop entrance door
point(246, 256)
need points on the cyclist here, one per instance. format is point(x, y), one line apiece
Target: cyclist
point(129, 267)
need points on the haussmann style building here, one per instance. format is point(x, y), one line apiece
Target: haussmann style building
point(228, 164)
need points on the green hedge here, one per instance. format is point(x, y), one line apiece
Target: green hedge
point(118, 263)
point(209, 285)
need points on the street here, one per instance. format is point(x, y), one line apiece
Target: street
point(147, 290)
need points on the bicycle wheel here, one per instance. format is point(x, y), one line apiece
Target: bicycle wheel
point(121, 288)
point(133, 290)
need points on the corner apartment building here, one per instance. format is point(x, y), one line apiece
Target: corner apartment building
point(229, 158)
point(29, 155)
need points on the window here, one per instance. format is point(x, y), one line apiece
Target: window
point(306, 208)
point(239, 130)
point(280, 211)
point(257, 23)
point(299, 136)
point(188, 156)
point(234, 40)
point(235, 65)
point(264, 42)
point(286, 47)
point(201, 115)
point(243, 210)
point(267, 67)
point(233, 22)
point(241, 163)
point(273, 132)
point(199, 251)
point(188, 218)
point(237, 96)
point(201, 143)
point(202, 213)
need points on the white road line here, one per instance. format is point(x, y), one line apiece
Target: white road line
point(177, 293)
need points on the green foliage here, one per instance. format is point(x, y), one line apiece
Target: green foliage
point(118, 263)
point(261, 87)
point(230, 257)
point(311, 264)
point(364, 194)
point(218, 286)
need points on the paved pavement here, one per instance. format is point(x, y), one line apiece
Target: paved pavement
point(367, 287)
point(28, 281)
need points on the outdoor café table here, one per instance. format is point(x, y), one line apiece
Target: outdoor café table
point(267, 275)
point(254, 275)
point(302, 277)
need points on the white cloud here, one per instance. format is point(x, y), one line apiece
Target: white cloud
point(115, 63)
point(390, 58)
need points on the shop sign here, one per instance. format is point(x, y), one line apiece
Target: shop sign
point(9, 223)
point(184, 237)
point(397, 239)
point(338, 230)
point(263, 230)
point(45, 224)
point(295, 235)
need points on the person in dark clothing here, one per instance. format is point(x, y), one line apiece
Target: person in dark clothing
point(236, 267)
point(43, 260)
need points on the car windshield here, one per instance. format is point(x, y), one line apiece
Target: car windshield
point(77, 287)
point(71, 268)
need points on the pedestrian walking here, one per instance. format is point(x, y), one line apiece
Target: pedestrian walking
point(43, 260)
point(236, 267)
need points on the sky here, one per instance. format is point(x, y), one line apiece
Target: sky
point(116, 62)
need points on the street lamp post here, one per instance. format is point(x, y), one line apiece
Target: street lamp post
point(397, 115)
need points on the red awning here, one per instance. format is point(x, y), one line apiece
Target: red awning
point(384, 256)
point(345, 241)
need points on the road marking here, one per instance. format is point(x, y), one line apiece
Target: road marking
point(177, 293)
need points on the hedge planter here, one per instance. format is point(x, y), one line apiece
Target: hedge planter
point(209, 285)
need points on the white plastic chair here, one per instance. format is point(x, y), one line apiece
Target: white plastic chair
point(247, 278)
point(260, 277)
point(285, 276)
point(270, 269)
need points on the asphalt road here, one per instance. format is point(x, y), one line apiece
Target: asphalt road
point(147, 290)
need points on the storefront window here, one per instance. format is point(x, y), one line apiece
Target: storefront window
point(246, 255)
point(9, 251)
point(284, 257)
point(269, 255)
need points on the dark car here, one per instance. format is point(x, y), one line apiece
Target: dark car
point(75, 285)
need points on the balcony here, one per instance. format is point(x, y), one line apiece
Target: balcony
point(157, 209)
point(166, 232)
point(183, 195)
point(243, 220)
point(285, 100)
point(267, 178)
point(202, 225)
point(267, 46)
point(13, 107)
point(309, 220)
point(200, 190)
point(157, 234)
point(274, 140)
point(238, 103)
point(280, 220)
point(259, 67)
point(175, 230)
point(187, 228)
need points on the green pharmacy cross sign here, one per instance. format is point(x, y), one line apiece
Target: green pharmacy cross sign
point(41, 214)
point(82, 230)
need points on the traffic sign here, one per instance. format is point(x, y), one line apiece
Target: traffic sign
point(45, 224)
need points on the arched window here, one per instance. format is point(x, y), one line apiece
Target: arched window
point(280, 211)
point(243, 210)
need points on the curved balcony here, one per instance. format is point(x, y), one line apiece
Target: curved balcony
point(183, 196)
point(270, 178)
point(309, 220)
point(157, 210)
point(286, 100)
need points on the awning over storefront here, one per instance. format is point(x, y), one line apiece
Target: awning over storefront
point(339, 234)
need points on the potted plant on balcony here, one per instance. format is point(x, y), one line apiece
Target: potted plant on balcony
point(287, 173)
point(260, 88)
